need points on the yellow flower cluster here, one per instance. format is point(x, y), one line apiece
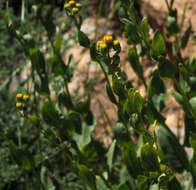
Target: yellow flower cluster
point(21, 99)
point(72, 6)
point(107, 43)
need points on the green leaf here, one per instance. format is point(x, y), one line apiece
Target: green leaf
point(172, 149)
point(179, 98)
point(38, 62)
point(58, 43)
point(64, 100)
point(120, 132)
point(193, 103)
point(190, 127)
point(145, 31)
point(174, 184)
point(84, 109)
point(93, 51)
point(192, 140)
point(149, 158)
point(143, 183)
point(87, 176)
point(172, 23)
point(154, 187)
point(117, 86)
point(111, 155)
point(91, 152)
point(131, 160)
point(23, 158)
point(134, 102)
point(46, 181)
point(100, 183)
point(193, 165)
point(157, 91)
point(71, 65)
point(110, 93)
point(83, 39)
point(186, 36)
point(153, 114)
point(85, 138)
point(77, 121)
point(58, 67)
point(184, 81)
point(50, 114)
point(123, 187)
point(166, 69)
point(158, 48)
point(34, 120)
point(134, 61)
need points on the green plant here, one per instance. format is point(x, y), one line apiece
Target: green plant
point(55, 148)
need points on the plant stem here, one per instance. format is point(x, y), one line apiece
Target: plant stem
point(183, 15)
point(185, 98)
point(67, 91)
point(19, 136)
point(107, 79)
point(166, 1)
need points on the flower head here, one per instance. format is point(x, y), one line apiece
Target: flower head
point(107, 39)
point(78, 5)
point(75, 10)
point(67, 5)
point(103, 46)
point(19, 105)
point(26, 97)
point(19, 96)
point(71, 2)
point(115, 42)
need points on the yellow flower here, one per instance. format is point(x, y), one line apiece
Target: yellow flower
point(78, 5)
point(107, 39)
point(19, 96)
point(67, 5)
point(99, 42)
point(26, 97)
point(71, 2)
point(19, 105)
point(75, 10)
point(115, 42)
point(103, 46)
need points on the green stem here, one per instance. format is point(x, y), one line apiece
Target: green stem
point(67, 91)
point(166, 1)
point(142, 74)
point(19, 136)
point(185, 98)
point(107, 79)
point(59, 58)
point(184, 12)
point(23, 10)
